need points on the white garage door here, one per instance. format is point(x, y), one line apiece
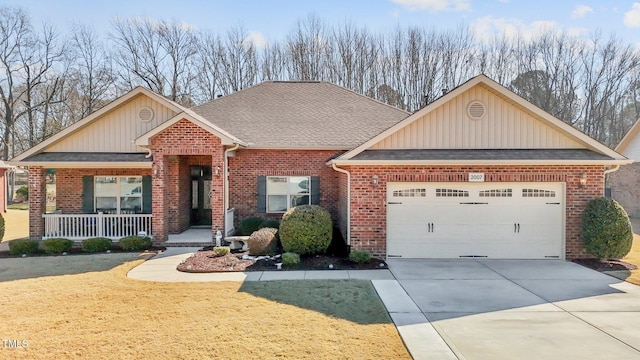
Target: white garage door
point(494, 220)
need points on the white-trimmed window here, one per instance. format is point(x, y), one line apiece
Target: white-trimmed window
point(118, 194)
point(285, 192)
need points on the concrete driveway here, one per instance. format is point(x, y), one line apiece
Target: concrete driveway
point(507, 309)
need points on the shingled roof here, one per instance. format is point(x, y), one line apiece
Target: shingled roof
point(300, 115)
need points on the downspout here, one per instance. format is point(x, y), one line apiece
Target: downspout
point(333, 165)
point(226, 175)
point(613, 169)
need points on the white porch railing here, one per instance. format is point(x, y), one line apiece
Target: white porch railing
point(228, 222)
point(84, 226)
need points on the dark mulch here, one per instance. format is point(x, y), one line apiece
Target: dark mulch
point(608, 265)
point(205, 261)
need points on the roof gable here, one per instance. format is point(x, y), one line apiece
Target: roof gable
point(112, 128)
point(509, 122)
point(629, 146)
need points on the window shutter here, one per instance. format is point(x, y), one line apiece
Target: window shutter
point(87, 195)
point(262, 194)
point(315, 190)
point(147, 205)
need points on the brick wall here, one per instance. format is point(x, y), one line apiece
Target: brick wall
point(247, 165)
point(69, 185)
point(625, 188)
point(368, 203)
point(174, 150)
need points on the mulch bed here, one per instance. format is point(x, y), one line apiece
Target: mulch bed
point(608, 265)
point(205, 261)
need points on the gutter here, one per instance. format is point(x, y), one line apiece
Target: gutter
point(613, 169)
point(333, 165)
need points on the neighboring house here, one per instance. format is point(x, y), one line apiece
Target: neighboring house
point(3, 185)
point(625, 183)
point(478, 172)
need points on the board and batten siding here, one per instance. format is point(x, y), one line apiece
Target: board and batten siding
point(116, 130)
point(504, 126)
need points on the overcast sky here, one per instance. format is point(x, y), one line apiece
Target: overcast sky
point(272, 19)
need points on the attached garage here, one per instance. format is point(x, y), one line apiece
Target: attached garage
point(493, 220)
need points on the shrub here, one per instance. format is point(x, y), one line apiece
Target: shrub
point(56, 245)
point(270, 223)
point(23, 246)
point(290, 259)
point(360, 257)
point(23, 193)
point(263, 242)
point(1, 227)
point(97, 244)
point(134, 242)
point(306, 229)
point(221, 250)
point(249, 225)
point(606, 229)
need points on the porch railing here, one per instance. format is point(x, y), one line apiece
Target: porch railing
point(228, 222)
point(84, 226)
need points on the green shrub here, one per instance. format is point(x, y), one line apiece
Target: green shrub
point(56, 245)
point(290, 259)
point(97, 244)
point(1, 227)
point(23, 192)
point(606, 229)
point(134, 242)
point(263, 242)
point(249, 225)
point(360, 257)
point(306, 229)
point(270, 223)
point(23, 246)
point(221, 250)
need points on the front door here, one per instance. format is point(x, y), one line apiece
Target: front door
point(201, 195)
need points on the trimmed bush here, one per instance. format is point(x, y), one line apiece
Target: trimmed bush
point(290, 259)
point(23, 193)
point(221, 250)
point(97, 244)
point(306, 229)
point(23, 246)
point(135, 242)
point(270, 223)
point(263, 242)
point(360, 257)
point(56, 245)
point(249, 225)
point(1, 227)
point(606, 229)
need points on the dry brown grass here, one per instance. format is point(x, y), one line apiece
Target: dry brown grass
point(103, 315)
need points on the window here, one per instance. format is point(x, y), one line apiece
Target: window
point(410, 193)
point(118, 194)
point(285, 192)
point(451, 193)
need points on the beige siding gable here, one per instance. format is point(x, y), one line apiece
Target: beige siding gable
point(505, 125)
point(116, 130)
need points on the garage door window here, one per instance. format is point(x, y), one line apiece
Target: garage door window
point(410, 193)
point(451, 193)
point(538, 193)
point(496, 193)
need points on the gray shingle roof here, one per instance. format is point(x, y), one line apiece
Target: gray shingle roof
point(481, 154)
point(300, 115)
point(88, 157)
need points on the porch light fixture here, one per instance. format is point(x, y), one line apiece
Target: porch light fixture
point(375, 181)
point(155, 169)
point(217, 170)
point(583, 180)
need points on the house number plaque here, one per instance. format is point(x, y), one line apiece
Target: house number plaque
point(476, 177)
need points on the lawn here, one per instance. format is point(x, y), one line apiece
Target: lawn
point(89, 309)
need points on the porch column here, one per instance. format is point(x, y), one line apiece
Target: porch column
point(159, 205)
point(218, 212)
point(37, 201)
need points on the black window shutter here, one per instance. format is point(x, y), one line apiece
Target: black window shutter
point(87, 195)
point(262, 194)
point(315, 190)
point(147, 205)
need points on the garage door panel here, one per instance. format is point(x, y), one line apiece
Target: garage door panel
point(496, 220)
